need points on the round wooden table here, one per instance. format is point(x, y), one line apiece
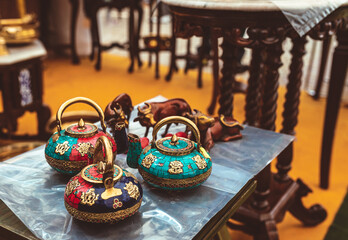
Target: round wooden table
point(267, 27)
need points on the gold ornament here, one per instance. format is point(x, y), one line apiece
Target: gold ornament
point(83, 148)
point(133, 190)
point(117, 203)
point(89, 197)
point(61, 148)
point(148, 160)
point(200, 162)
point(71, 187)
point(175, 167)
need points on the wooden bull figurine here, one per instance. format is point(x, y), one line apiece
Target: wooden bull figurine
point(202, 121)
point(215, 129)
point(119, 110)
point(153, 112)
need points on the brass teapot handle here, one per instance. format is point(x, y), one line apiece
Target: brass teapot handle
point(79, 100)
point(177, 119)
point(106, 164)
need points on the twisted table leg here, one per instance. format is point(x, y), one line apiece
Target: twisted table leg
point(270, 87)
point(252, 106)
point(228, 77)
point(269, 99)
point(292, 101)
point(316, 213)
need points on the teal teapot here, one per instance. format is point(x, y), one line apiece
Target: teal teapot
point(172, 163)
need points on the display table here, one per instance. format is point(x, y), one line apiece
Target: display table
point(34, 193)
point(21, 86)
point(268, 24)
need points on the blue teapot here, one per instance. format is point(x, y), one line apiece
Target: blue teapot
point(172, 163)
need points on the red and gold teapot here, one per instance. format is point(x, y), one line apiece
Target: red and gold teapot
point(69, 150)
point(103, 192)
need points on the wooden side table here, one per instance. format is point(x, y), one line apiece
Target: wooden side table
point(267, 28)
point(21, 87)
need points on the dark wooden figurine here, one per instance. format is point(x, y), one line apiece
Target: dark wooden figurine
point(215, 129)
point(119, 110)
point(151, 113)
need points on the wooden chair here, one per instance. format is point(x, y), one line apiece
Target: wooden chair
point(91, 8)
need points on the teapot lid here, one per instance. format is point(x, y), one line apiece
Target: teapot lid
point(92, 174)
point(175, 146)
point(81, 129)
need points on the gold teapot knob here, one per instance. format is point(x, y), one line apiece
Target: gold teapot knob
point(81, 124)
point(174, 140)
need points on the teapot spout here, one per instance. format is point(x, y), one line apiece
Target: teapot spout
point(134, 150)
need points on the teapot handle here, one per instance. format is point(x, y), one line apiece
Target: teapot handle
point(105, 164)
point(79, 100)
point(177, 119)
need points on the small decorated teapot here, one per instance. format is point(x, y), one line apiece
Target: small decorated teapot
point(67, 150)
point(103, 192)
point(172, 163)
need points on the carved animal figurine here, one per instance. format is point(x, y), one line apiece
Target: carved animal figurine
point(225, 129)
point(153, 112)
point(119, 110)
point(202, 121)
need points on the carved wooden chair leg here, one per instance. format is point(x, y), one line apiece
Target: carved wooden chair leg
point(158, 38)
point(216, 82)
point(188, 53)
point(97, 38)
point(94, 40)
point(151, 29)
point(172, 56)
point(201, 53)
point(74, 14)
point(131, 36)
point(140, 20)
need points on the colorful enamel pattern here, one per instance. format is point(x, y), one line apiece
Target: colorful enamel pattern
point(172, 163)
point(103, 192)
point(69, 150)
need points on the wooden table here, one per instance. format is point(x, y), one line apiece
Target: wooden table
point(208, 207)
point(22, 88)
point(267, 28)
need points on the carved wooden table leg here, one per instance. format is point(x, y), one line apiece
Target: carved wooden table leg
point(74, 12)
point(94, 21)
point(252, 106)
point(228, 77)
point(315, 214)
point(216, 82)
point(172, 53)
point(337, 79)
point(131, 36)
point(291, 105)
point(138, 28)
point(270, 88)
